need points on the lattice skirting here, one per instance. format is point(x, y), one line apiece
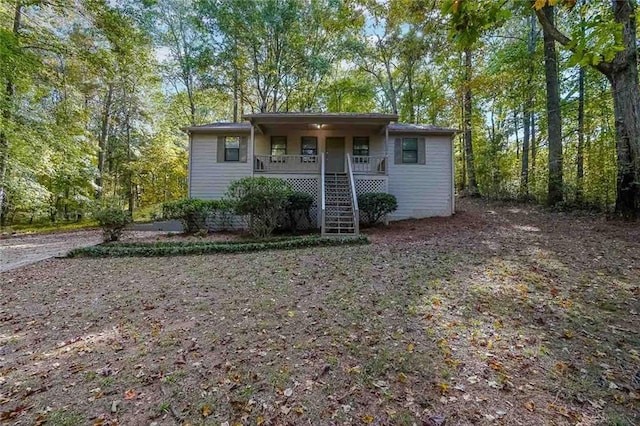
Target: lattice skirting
point(310, 185)
point(370, 185)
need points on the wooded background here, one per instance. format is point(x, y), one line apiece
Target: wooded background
point(94, 93)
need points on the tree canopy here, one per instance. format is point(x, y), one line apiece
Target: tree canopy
point(93, 94)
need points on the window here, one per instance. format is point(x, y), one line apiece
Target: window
point(231, 148)
point(278, 148)
point(361, 149)
point(410, 150)
point(361, 145)
point(309, 147)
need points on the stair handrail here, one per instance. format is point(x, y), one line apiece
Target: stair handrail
point(322, 195)
point(354, 197)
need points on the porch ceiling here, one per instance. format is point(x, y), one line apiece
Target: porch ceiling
point(316, 121)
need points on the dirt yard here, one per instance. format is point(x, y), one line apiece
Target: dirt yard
point(503, 314)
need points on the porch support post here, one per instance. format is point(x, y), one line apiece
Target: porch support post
point(386, 140)
point(252, 149)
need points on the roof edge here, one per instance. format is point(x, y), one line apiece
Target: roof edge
point(218, 127)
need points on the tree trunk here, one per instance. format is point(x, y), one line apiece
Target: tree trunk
point(580, 154)
point(412, 112)
point(472, 185)
point(527, 114)
point(554, 121)
point(515, 130)
point(534, 150)
point(622, 72)
point(235, 95)
point(104, 141)
point(626, 102)
point(7, 107)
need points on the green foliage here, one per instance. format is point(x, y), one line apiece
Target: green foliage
point(191, 212)
point(469, 20)
point(262, 199)
point(195, 248)
point(113, 221)
point(298, 206)
point(375, 205)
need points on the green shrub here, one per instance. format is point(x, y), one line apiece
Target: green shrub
point(113, 221)
point(375, 205)
point(191, 212)
point(262, 199)
point(298, 206)
point(192, 248)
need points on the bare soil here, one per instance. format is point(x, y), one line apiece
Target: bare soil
point(504, 314)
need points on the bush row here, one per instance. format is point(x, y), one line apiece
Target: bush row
point(188, 248)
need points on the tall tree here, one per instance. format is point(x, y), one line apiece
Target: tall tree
point(468, 21)
point(472, 185)
point(554, 119)
point(13, 42)
point(616, 57)
point(528, 109)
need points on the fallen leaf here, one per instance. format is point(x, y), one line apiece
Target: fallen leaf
point(260, 420)
point(206, 410)
point(444, 388)
point(530, 406)
point(435, 420)
point(129, 394)
point(410, 347)
point(354, 370)
point(367, 418)
point(402, 378)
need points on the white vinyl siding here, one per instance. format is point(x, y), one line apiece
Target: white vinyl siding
point(422, 190)
point(210, 179)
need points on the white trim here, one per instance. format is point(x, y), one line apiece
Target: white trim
point(190, 169)
point(251, 149)
point(453, 176)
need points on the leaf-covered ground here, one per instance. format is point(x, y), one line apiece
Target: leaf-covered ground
point(503, 314)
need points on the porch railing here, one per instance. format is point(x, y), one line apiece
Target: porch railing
point(286, 163)
point(354, 196)
point(364, 164)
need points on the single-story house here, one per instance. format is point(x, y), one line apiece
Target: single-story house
point(332, 156)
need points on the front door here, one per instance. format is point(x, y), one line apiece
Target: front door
point(334, 147)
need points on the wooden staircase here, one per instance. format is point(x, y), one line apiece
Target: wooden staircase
point(339, 217)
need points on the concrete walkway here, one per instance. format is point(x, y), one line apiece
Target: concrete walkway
point(26, 249)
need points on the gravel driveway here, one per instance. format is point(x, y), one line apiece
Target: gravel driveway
point(23, 250)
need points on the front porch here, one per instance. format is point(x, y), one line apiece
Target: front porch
point(333, 158)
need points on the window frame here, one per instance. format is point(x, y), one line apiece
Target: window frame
point(278, 158)
point(404, 150)
point(228, 150)
point(309, 158)
point(358, 141)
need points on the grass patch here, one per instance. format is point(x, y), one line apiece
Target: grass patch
point(45, 228)
point(193, 248)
